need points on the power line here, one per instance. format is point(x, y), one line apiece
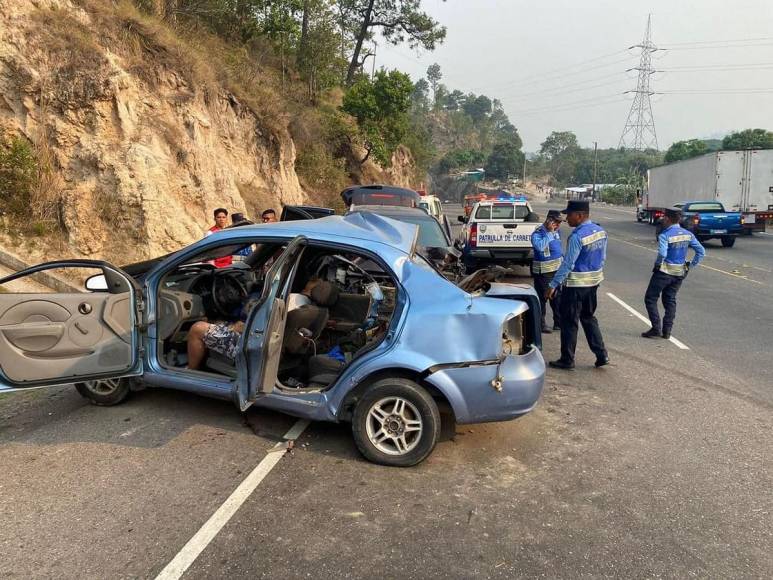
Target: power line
point(574, 86)
point(763, 38)
point(556, 73)
point(573, 108)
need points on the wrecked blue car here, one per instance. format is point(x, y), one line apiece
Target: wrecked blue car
point(331, 319)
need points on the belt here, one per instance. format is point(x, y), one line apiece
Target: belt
point(672, 269)
point(580, 279)
point(545, 267)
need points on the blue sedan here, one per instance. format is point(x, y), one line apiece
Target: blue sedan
point(331, 319)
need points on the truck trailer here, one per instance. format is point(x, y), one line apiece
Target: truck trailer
point(742, 181)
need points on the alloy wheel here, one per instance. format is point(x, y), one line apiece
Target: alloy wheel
point(394, 425)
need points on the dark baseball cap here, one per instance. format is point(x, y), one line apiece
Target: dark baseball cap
point(555, 215)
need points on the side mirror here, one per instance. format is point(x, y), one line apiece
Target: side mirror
point(458, 245)
point(462, 219)
point(96, 283)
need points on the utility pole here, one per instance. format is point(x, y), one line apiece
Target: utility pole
point(523, 181)
point(373, 69)
point(595, 167)
point(639, 131)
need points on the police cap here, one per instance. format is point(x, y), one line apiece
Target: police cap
point(555, 215)
point(674, 214)
point(576, 205)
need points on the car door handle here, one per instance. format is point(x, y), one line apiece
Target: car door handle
point(32, 330)
point(510, 226)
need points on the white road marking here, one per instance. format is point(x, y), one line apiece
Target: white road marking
point(644, 319)
point(201, 539)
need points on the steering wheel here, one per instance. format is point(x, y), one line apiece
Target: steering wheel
point(227, 292)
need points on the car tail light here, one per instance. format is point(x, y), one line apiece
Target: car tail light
point(513, 337)
point(743, 219)
point(474, 235)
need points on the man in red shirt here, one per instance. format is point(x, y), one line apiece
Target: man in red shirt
point(221, 220)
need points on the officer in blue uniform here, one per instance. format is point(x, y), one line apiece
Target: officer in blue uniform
point(548, 255)
point(671, 268)
point(583, 271)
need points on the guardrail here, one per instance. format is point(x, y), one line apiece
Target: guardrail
point(57, 284)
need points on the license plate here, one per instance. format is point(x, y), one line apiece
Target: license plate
point(750, 218)
point(718, 231)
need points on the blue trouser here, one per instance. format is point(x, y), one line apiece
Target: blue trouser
point(667, 286)
point(541, 284)
point(578, 305)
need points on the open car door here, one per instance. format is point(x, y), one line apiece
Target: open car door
point(49, 339)
point(258, 358)
point(304, 212)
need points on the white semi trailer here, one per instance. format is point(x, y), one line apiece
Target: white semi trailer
point(741, 180)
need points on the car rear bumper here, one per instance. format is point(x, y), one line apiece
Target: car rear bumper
point(472, 393)
point(499, 255)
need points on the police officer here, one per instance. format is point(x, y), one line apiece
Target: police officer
point(583, 271)
point(546, 242)
point(670, 269)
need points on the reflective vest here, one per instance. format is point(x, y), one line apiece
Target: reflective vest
point(589, 266)
point(678, 243)
point(549, 260)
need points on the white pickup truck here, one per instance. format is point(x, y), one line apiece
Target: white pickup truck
point(499, 232)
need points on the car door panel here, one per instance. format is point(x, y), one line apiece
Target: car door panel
point(57, 338)
point(261, 346)
point(54, 330)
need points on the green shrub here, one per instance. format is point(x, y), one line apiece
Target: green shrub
point(18, 175)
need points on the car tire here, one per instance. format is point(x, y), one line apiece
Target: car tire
point(105, 392)
point(386, 408)
point(728, 241)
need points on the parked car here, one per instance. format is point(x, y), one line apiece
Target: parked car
point(431, 204)
point(379, 195)
point(499, 232)
point(386, 345)
point(434, 243)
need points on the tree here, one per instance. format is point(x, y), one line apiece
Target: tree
point(685, 150)
point(505, 160)
point(455, 100)
point(477, 108)
point(561, 151)
point(380, 107)
point(433, 76)
point(420, 96)
point(398, 21)
point(748, 139)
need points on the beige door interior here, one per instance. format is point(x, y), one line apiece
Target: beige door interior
point(59, 336)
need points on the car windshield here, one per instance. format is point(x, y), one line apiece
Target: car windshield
point(430, 233)
point(502, 211)
point(705, 207)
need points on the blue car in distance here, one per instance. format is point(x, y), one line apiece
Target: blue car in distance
point(345, 321)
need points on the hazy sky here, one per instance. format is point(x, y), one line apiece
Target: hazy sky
point(532, 55)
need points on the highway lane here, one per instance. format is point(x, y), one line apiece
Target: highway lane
point(724, 313)
point(657, 465)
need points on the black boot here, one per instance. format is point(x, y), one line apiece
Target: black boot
point(546, 330)
point(651, 333)
point(559, 364)
point(666, 334)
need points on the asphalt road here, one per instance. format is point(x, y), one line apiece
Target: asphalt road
point(659, 465)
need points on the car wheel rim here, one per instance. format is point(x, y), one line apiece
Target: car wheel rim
point(394, 426)
point(103, 387)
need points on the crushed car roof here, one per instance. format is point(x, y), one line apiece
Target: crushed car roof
point(359, 225)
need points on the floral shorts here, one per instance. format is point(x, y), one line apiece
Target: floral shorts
point(222, 339)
